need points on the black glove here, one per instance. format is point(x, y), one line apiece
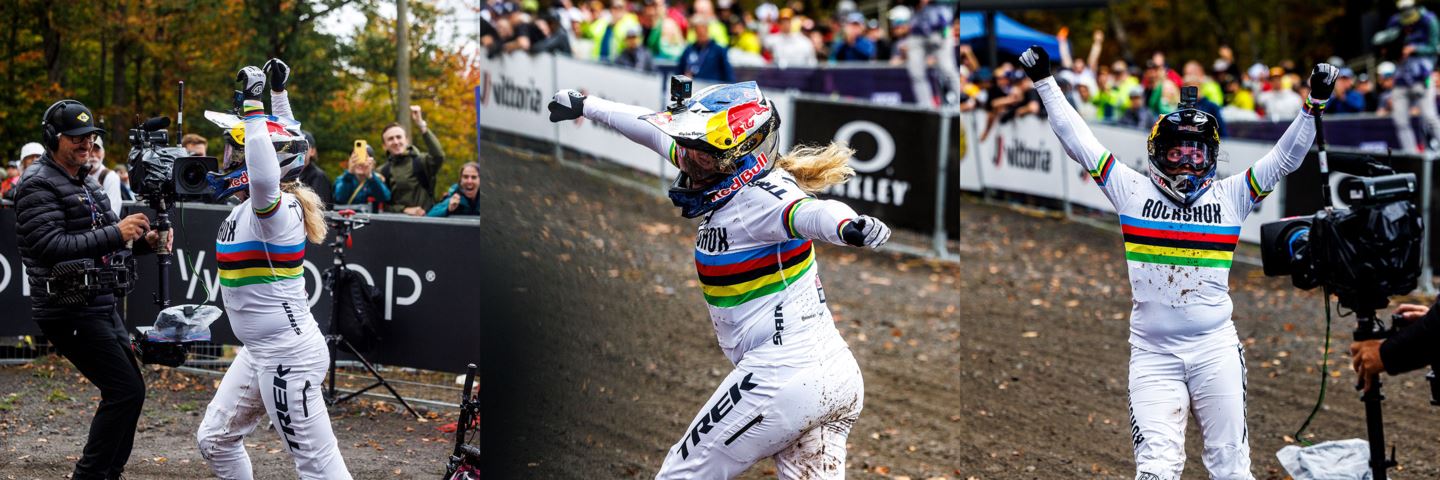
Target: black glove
point(249, 84)
point(865, 231)
point(277, 73)
point(1036, 63)
point(567, 105)
point(1322, 81)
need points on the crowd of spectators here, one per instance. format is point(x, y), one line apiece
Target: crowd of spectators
point(1136, 94)
point(707, 39)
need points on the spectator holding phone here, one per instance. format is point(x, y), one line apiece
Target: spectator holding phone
point(360, 183)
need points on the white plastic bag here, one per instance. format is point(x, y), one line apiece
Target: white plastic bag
point(184, 323)
point(1335, 460)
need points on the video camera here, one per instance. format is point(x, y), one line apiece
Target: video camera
point(160, 172)
point(1364, 253)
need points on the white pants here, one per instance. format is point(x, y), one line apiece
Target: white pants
point(800, 416)
point(289, 390)
point(1166, 388)
point(1400, 99)
point(917, 49)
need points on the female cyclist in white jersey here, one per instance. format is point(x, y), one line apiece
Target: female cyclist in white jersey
point(1180, 226)
point(796, 390)
point(260, 250)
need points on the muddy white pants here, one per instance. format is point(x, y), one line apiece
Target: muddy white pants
point(289, 391)
point(1400, 100)
point(1166, 388)
point(799, 415)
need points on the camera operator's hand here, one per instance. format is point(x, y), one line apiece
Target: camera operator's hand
point(134, 226)
point(153, 238)
point(277, 73)
point(1365, 360)
point(567, 105)
point(1409, 313)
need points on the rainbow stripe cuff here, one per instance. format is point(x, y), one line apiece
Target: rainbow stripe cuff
point(1101, 173)
point(1256, 193)
point(789, 217)
point(1182, 244)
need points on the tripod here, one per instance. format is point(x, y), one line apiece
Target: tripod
point(1371, 328)
point(345, 225)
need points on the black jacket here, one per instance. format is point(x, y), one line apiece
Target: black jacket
point(1414, 346)
point(56, 221)
point(315, 178)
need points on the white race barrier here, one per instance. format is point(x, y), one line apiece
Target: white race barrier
point(1024, 156)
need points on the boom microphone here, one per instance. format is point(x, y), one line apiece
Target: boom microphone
point(156, 123)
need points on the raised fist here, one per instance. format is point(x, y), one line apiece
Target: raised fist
point(1036, 63)
point(277, 73)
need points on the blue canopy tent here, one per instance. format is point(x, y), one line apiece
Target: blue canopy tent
point(1011, 37)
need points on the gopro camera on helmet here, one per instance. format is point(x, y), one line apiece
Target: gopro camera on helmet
point(680, 90)
point(1188, 96)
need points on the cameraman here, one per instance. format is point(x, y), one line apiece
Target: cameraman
point(62, 215)
point(1411, 347)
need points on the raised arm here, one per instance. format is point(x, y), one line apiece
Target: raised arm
point(570, 104)
point(832, 222)
point(261, 162)
point(1290, 151)
point(277, 74)
point(1075, 136)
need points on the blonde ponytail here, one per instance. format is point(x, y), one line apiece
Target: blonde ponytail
point(816, 168)
point(313, 211)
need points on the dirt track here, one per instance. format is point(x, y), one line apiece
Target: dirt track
point(42, 429)
point(599, 350)
point(1046, 305)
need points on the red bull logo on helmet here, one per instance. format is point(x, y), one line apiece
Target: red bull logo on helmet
point(730, 128)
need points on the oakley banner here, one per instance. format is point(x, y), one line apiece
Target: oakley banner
point(424, 270)
point(895, 158)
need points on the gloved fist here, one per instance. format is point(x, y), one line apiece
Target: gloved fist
point(250, 83)
point(1322, 81)
point(567, 105)
point(1036, 63)
point(277, 73)
point(866, 231)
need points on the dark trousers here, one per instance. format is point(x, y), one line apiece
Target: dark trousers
point(100, 349)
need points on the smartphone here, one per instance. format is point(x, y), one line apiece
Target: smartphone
point(361, 148)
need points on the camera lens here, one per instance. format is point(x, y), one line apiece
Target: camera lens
point(192, 175)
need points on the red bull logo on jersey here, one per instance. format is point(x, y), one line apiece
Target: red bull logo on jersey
point(743, 178)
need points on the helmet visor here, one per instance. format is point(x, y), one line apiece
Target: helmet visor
point(1186, 156)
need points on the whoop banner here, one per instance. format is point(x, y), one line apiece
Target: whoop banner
point(430, 300)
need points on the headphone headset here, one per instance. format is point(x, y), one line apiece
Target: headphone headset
point(48, 135)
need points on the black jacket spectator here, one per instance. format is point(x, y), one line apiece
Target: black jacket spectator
point(1414, 346)
point(61, 218)
point(315, 178)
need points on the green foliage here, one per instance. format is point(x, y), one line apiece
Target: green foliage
point(8, 402)
point(123, 59)
point(58, 394)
